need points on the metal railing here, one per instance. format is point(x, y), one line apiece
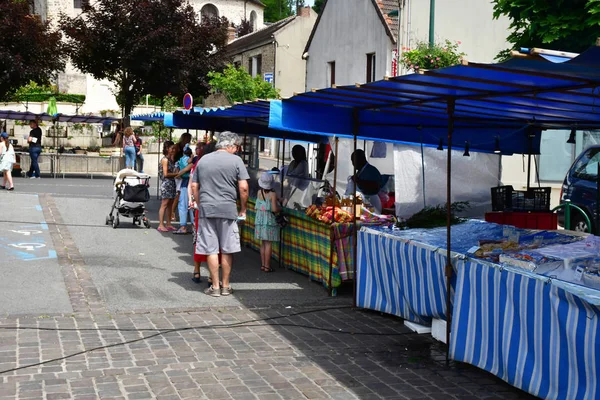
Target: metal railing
point(56, 164)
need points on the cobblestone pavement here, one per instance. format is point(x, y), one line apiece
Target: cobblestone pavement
point(323, 350)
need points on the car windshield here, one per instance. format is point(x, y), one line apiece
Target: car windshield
point(587, 166)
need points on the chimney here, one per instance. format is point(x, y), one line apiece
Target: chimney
point(230, 34)
point(303, 11)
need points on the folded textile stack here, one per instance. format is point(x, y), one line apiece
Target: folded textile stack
point(529, 260)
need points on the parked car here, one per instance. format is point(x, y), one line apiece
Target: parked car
point(581, 188)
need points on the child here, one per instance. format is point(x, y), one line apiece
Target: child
point(7, 160)
point(266, 227)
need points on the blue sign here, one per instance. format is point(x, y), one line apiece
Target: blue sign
point(269, 77)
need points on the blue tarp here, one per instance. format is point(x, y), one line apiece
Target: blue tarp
point(509, 101)
point(155, 116)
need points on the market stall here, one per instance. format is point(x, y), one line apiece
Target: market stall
point(500, 108)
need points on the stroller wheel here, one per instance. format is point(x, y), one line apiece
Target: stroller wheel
point(115, 222)
point(108, 220)
point(146, 223)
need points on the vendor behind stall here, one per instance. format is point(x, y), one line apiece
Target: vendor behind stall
point(368, 180)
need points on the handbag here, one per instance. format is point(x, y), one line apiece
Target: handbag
point(281, 219)
point(136, 194)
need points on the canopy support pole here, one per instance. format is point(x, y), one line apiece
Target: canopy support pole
point(281, 230)
point(529, 151)
point(332, 231)
point(449, 270)
point(355, 129)
point(159, 167)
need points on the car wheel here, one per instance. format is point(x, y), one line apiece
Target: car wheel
point(578, 223)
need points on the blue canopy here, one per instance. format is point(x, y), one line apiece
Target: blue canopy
point(509, 103)
point(155, 116)
point(246, 118)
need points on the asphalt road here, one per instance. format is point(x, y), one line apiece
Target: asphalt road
point(32, 282)
point(135, 268)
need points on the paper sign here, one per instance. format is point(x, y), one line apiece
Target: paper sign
point(473, 250)
point(33, 139)
point(578, 273)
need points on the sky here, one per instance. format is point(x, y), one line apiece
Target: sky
point(309, 2)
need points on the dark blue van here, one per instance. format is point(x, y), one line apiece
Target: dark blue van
point(580, 186)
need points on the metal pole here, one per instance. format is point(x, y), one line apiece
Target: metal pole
point(355, 128)
point(158, 170)
point(281, 263)
point(449, 270)
point(332, 234)
point(529, 150)
point(597, 219)
point(431, 22)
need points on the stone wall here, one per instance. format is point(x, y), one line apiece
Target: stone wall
point(268, 58)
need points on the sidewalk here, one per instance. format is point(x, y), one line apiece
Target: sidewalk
point(278, 337)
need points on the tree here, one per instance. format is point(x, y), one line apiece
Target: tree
point(145, 46)
point(29, 49)
point(276, 10)
point(318, 6)
point(239, 86)
point(568, 25)
point(244, 28)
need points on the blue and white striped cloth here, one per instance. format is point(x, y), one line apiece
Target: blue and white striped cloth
point(400, 277)
point(526, 330)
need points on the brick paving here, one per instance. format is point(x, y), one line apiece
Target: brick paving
point(318, 351)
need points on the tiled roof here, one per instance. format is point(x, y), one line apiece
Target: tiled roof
point(386, 7)
point(257, 37)
point(257, 2)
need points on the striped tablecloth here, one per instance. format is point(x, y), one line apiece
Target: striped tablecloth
point(400, 277)
point(538, 335)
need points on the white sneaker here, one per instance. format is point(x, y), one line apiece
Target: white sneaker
point(33, 177)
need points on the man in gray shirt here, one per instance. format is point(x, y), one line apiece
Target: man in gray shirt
point(216, 181)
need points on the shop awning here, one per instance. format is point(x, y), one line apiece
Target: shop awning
point(505, 103)
point(246, 118)
point(155, 116)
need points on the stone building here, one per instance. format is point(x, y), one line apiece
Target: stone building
point(275, 52)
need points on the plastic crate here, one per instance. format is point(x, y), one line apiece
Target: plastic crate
point(502, 198)
point(535, 199)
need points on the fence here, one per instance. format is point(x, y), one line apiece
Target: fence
point(63, 164)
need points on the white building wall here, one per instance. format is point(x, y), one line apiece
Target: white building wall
point(347, 32)
point(290, 68)
point(467, 21)
point(233, 10)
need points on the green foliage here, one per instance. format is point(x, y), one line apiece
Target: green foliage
point(238, 85)
point(32, 92)
point(318, 6)
point(30, 50)
point(276, 10)
point(427, 57)
point(434, 217)
point(568, 25)
point(145, 47)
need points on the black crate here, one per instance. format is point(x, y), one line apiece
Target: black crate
point(502, 198)
point(535, 199)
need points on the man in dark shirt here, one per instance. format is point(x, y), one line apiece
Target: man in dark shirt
point(368, 180)
point(35, 148)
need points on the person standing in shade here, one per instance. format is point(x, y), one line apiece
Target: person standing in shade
point(35, 148)
point(139, 160)
point(368, 180)
point(216, 181)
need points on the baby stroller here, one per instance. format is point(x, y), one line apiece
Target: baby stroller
point(131, 194)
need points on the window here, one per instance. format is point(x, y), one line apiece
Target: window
point(587, 166)
point(330, 74)
point(76, 3)
point(253, 21)
point(209, 11)
point(255, 64)
point(371, 66)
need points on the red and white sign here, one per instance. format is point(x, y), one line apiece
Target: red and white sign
point(188, 101)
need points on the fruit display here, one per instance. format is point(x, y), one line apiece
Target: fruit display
point(325, 214)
